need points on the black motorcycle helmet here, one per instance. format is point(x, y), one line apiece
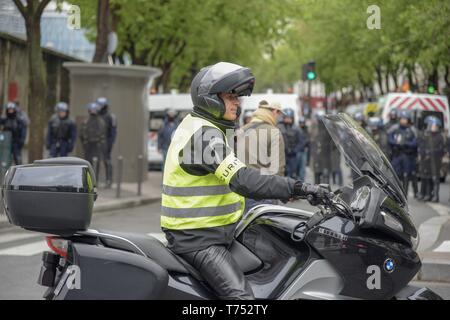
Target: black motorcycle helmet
point(223, 77)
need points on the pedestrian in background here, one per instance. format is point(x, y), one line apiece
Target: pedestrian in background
point(165, 133)
point(262, 132)
point(61, 132)
point(17, 126)
point(431, 148)
point(111, 134)
point(292, 142)
point(93, 135)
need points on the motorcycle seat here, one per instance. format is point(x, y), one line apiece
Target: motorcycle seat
point(153, 249)
point(157, 251)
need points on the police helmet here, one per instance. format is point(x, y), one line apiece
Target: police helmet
point(288, 113)
point(301, 120)
point(320, 114)
point(223, 77)
point(61, 107)
point(358, 116)
point(11, 105)
point(93, 107)
point(432, 120)
point(393, 114)
point(248, 114)
point(405, 114)
point(375, 122)
point(102, 101)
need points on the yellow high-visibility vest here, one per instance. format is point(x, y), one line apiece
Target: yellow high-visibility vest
point(194, 202)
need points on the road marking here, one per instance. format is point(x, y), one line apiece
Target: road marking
point(430, 229)
point(28, 249)
point(439, 208)
point(444, 247)
point(10, 237)
point(159, 235)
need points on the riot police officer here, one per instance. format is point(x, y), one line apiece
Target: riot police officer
point(431, 151)
point(61, 132)
point(320, 150)
point(392, 120)
point(402, 138)
point(303, 154)
point(111, 133)
point(360, 119)
point(292, 142)
point(378, 134)
point(93, 136)
point(18, 128)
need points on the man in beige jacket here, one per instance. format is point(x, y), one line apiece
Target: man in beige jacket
point(260, 145)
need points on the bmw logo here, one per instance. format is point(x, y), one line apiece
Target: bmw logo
point(389, 265)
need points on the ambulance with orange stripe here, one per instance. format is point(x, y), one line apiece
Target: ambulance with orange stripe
point(422, 105)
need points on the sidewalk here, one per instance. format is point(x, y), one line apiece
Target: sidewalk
point(107, 201)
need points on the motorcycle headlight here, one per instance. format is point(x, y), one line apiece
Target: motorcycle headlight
point(391, 221)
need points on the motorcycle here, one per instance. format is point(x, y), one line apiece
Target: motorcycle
point(360, 244)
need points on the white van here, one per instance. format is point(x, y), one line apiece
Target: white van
point(421, 103)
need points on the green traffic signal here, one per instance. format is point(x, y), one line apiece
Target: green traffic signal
point(311, 75)
point(431, 89)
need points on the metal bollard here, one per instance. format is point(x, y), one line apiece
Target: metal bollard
point(119, 175)
point(140, 158)
point(96, 164)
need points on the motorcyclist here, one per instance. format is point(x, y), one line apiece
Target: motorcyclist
point(204, 182)
point(403, 141)
point(18, 128)
point(431, 147)
point(61, 132)
point(111, 134)
point(293, 142)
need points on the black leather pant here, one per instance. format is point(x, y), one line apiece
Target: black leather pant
point(221, 272)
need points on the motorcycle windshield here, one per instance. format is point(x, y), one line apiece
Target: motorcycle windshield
point(363, 154)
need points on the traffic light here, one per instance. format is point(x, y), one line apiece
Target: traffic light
point(431, 89)
point(309, 71)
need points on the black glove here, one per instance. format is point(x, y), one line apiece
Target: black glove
point(315, 194)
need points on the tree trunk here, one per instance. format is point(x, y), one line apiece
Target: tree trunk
point(379, 79)
point(101, 43)
point(447, 76)
point(37, 85)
